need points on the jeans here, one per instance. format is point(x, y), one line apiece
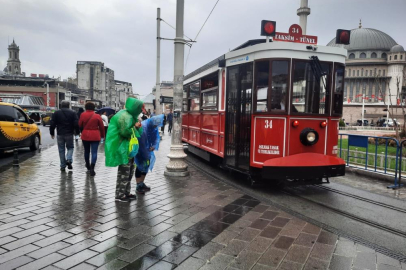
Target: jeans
point(65, 141)
point(169, 126)
point(93, 145)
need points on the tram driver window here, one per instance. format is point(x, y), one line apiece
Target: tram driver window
point(261, 85)
point(309, 89)
point(279, 85)
point(194, 96)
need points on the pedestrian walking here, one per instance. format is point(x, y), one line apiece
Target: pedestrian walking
point(170, 119)
point(121, 128)
point(105, 122)
point(80, 111)
point(145, 158)
point(93, 131)
point(163, 125)
point(66, 123)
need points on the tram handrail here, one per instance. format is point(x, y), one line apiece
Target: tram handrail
point(363, 141)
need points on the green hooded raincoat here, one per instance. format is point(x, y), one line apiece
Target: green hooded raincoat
point(120, 131)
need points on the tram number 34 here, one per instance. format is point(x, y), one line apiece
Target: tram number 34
point(268, 124)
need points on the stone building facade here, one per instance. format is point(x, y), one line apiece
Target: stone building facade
point(13, 63)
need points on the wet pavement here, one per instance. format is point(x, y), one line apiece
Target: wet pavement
point(55, 220)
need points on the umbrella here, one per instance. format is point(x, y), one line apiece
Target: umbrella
point(106, 109)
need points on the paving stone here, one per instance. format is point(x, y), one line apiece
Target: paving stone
point(239, 225)
point(262, 267)
point(279, 222)
point(106, 256)
point(225, 237)
point(245, 260)
point(339, 262)
point(288, 265)
point(365, 260)
point(76, 259)
point(322, 251)
point(133, 242)
point(362, 248)
point(270, 232)
point(259, 224)
point(16, 262)
point(386, 260)
point(17, 253)
point(43, 262)
point(179, 255)
point(270, 215)
point(163, 250)
point(208, 251)
point(387, 267)
point(248, 234)
point(283, 242)
point(260, 208)
point(31, 231)
point(53, 239)
point(298, 254)
point(162, 265)
point(83, 266)
point(327, 238)
point(77, 247)
point(311, 229)
point(191, 264)
point(234, 247)
point(220, 261)
point(272, 258)
point(136, 253)
point(305, 239)
point(7, 239)
point(140, 264)
point(48, 250)
point(259, 244)
point(113, 265)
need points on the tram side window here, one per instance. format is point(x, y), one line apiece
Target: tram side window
point(261, 85)
point(194, 96)
point(185, 100)
point(338, 90)
point(209, 92)
point(279, 84)
point(309, 90)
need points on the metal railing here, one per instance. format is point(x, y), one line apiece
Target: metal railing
point(358, 154)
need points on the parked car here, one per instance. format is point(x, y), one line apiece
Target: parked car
point(17, 130)
point(46, 118)
point(35, 115)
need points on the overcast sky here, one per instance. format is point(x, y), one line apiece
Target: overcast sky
point(54, 34)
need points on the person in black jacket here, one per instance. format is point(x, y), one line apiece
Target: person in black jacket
point(80, 111)
point(66, 123)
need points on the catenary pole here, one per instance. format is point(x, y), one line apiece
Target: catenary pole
point(158, 63)
point(177, 165)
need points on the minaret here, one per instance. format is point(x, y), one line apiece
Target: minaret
point(303, 12)
point(13, 62)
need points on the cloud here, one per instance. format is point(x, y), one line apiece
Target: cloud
point(54, 34)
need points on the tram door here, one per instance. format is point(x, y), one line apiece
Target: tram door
point(238, 116)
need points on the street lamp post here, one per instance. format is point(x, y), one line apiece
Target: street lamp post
point(177, 165)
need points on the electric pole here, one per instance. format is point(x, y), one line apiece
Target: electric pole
point(177, 165)
point(158, 63)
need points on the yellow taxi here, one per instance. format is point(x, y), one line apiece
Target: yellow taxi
point(17, 130)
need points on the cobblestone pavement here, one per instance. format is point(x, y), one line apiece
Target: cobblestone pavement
point(55, 220)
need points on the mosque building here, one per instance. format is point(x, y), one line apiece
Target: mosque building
point(375, 74)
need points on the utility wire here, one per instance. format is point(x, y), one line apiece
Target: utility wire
point(190, 48)
point(174, 28)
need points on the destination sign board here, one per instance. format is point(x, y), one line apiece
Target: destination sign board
point(295, 35)
point(164, 99)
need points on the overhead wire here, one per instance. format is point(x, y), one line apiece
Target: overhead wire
point(190, 47)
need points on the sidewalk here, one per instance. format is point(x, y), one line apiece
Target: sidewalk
point(55, 220)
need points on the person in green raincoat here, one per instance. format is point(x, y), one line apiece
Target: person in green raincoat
point(121, 128)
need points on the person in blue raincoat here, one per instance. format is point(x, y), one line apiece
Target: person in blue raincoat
point(145, 158)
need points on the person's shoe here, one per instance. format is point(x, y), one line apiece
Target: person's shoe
point(69, 163)
point(123, 199)
point(132, 196)
point(92, 172)
point(145, 187)
point(63, 170)
point(140, 190)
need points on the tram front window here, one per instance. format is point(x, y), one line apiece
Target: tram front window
point(280, 70)
point(261, 87)
point(309, 88)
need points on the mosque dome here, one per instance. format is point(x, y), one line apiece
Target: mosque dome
point(367, 39)
point(397, 48)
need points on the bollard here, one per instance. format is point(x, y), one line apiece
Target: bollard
point(15, 160)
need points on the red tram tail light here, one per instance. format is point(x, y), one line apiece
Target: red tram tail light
point(268, 28)
point(295, 123)
point(343, 36)
point(323, 124)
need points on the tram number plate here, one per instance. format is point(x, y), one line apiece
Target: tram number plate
point(268, 123)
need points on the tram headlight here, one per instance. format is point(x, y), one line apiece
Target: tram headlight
point(309, 137)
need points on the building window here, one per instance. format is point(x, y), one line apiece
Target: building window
point(346, 73)
point(357, 73)
point(15, 55)
point(373, 55)
point(349, 73)
point(353, 73)
point(383, 72)
point(362, 72)
point(384, 55)
point(352, 56)
point(362, 55)
point(379, 72)
point(375, 72)
point(10, 54)
point(390, 57)
point(396, 57)
point(370, 73)
point(401, 57)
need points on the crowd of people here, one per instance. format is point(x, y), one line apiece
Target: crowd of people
point(130, 138)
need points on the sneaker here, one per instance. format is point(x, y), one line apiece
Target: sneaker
point(140, 190)
point(123, 199)
point(131, 196)
point(145, 187)
point(69, 163)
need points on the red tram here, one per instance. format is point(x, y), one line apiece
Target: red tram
point(268, 109)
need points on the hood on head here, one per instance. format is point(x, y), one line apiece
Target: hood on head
point(134, 106)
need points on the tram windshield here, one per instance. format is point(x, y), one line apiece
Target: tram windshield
point(310, 84)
